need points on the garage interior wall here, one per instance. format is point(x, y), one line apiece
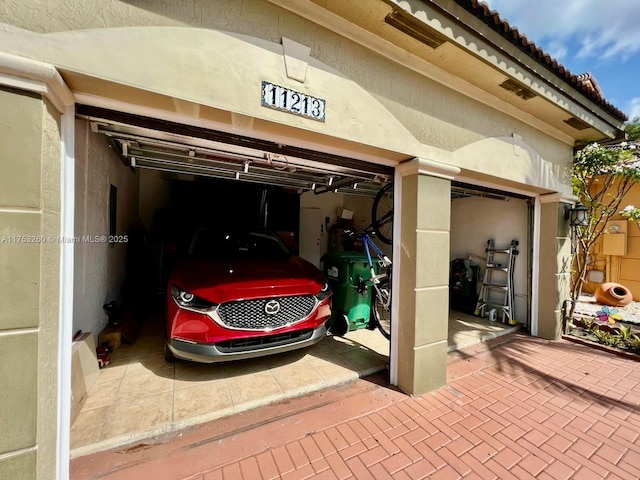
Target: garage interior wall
point(156, 193)
point(331, 205)
point(100, 267)
point(474, 220)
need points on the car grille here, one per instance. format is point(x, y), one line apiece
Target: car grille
point(251, 315)
point(257, 343)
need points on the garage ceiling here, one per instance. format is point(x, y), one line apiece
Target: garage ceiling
point(157, 145)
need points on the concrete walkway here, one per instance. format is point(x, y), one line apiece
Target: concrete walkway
point(513, 408)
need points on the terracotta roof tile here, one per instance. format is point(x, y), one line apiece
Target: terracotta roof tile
point(584, 83)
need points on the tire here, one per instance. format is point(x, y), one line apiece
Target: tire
point(382, 214)
point(381, 308)
point(341, 326)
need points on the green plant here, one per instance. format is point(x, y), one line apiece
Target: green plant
point(601, 335)
point(632, 128)
point(625, 332)
point(631, 213)
point(634, 343)
point(613, 340)
point(602, 177)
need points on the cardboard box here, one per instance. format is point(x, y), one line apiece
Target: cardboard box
point(112, 336)
point(78, 386)
point(84, 371)
point(345, 214)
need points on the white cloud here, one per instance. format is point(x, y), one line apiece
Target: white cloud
point(601, 29)
point(634, 108)
point(557, 49)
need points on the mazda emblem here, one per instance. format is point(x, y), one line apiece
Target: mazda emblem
point(272, 307)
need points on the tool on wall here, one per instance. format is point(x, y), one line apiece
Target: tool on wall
point(496, 293)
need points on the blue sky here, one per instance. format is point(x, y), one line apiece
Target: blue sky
point(597, 36)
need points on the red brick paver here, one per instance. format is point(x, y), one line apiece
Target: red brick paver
point(526, 408)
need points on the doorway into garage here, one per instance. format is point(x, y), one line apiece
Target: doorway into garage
point(481, 214)
point(170, 179)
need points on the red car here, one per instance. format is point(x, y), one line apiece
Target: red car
point(241, 294)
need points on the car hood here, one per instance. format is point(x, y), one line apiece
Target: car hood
point(247, 278)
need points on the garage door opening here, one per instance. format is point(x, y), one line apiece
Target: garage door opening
point(480, 215)
point(169, 185)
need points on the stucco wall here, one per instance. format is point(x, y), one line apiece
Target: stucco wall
point(29, 284)
point(476, 220)
point(553, 267)
point(436, 115)
point(99, 266)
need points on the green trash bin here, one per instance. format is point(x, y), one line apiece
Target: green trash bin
point(343, 270)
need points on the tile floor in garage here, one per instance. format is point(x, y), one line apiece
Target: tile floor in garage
point(140, 395)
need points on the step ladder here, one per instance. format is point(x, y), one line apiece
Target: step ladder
point(496, 291)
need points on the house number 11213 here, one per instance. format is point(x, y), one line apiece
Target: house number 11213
point(290, 101)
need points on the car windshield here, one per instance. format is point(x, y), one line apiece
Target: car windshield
point(218, 244)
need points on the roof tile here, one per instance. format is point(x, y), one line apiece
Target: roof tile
point(584, 83)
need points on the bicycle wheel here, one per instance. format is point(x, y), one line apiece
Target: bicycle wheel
point(382, 214)
point(381, 308)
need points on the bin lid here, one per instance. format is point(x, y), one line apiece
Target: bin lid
point(345, 255)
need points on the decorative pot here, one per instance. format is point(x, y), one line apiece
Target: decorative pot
point(613, 294)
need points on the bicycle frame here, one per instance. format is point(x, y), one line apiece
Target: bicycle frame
point(384, 260)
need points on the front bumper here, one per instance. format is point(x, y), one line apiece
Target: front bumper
point(237, 350)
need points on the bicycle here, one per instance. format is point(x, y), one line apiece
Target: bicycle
point(380, 282)
point(382, 214)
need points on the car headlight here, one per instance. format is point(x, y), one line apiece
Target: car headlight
point(189, 300)
point(325, 292)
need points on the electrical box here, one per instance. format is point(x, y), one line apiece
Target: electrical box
point(595, 276)
point(614, 241)
point(614, 244)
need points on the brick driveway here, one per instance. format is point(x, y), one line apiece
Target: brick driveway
point(516, 408)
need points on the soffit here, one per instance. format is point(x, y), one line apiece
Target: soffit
point(549, 104)
point(584, 83)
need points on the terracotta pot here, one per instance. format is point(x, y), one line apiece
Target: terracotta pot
point(613, 294)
